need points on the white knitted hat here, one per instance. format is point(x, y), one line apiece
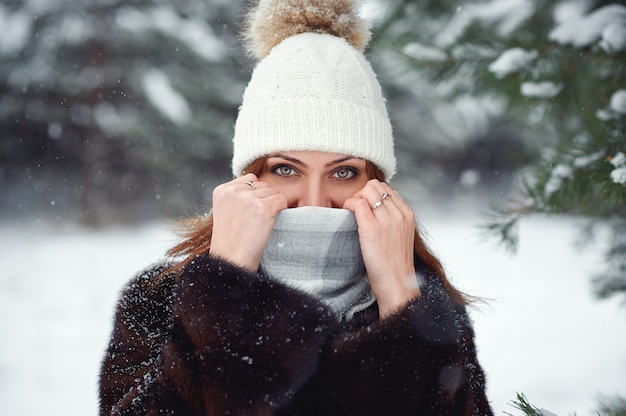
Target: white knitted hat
point(314, 90)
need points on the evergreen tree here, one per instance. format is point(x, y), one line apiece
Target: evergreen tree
point(104, 103)
point(114, 110)
point(522, 404)
point(608, 407)
point(556, 71)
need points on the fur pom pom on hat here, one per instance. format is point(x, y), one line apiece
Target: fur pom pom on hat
point(274, 21)
point(312, 89)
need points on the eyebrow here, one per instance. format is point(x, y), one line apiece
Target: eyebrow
point(301, 163)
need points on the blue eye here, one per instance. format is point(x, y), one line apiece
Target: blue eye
point(345, 173)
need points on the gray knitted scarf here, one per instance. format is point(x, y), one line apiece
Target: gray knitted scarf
point(317, 250)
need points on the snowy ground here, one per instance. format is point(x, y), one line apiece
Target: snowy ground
point(541, 334)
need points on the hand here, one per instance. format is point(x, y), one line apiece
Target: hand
point(243, 218)
point(386, 235)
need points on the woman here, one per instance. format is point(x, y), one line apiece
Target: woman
point(308, 290)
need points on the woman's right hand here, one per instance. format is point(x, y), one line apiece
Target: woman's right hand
point(243, 218)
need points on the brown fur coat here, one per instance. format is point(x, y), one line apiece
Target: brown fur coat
point(218, 340)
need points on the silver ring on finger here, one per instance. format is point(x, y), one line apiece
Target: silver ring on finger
point(376, 204)
point(385, 196)
point(251, 185)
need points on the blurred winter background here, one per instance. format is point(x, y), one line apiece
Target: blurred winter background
point(116, 116)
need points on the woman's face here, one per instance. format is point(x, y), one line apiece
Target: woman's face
point(315, 178)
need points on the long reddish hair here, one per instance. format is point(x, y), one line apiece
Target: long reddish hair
point(197, 232)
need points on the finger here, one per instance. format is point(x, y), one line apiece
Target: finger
point(253, 186)
point(362, 211)
point(390, 198)
point(224, 188)
point(266, 208)
point(395, 199)
point(363, 201)
point(357, 204)
point(377, 196)
point(278, 202)
point(247, 177)
point(361, 192)
point(251, 180)
point(350, 203)
point(264, 192)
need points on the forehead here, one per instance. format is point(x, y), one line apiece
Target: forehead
point(311, 157)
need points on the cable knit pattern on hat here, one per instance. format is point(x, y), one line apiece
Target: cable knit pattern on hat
point(314, 92)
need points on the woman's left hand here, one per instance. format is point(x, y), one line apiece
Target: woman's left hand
point(386, 234)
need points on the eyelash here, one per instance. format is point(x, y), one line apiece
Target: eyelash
point(275, 169)
point(353, 171)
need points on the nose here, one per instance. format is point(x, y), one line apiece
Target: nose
point(315, 193)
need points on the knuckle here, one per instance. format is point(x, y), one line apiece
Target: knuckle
point(259, 205)
point(218, 191)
